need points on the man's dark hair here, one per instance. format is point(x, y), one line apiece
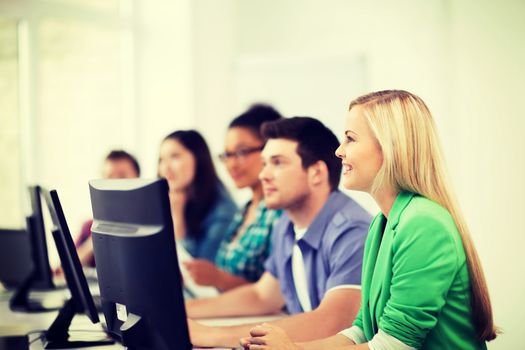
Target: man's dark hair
point(206, 186)
point(315, 142)
point(119, 154)
point(254, 117)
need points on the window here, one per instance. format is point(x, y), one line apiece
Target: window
point(10, 152)
point(66, 98)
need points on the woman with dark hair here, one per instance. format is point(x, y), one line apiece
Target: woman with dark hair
point(246, 244)
point(201, 208)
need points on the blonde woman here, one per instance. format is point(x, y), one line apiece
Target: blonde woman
point(422, 285)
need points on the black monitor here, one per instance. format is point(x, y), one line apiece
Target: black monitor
point(43, 276)
point(81, 301)
point(137, 267)
point(40, 277)
point(15, 257)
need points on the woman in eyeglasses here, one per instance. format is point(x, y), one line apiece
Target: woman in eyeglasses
point(246, 245)
point(201, 207)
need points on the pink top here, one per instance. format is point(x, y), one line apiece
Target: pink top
point(85, 233)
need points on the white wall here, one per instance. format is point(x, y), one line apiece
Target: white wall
point(489, 53)
point(164, 63)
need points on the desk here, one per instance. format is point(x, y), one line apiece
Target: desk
point(20, 323)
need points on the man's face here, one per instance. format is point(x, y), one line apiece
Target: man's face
point(284, 180)
point(118, 169)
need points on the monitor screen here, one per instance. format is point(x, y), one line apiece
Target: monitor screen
point(29, 251)
point(15, 257)
point(73, 273)
point(43, 276)
point(57, 336)
point(139, 277)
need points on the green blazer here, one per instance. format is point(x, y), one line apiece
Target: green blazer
point(415, 281)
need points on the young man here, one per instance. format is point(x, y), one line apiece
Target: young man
point(118, 164)
point(315, 266)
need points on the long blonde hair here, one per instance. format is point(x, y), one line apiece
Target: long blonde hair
point(413, 161)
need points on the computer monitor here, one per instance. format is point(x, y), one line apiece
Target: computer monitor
point(43, 276)
point(40, 276)
point(15, 257)
point(138, 273)
point(81, 301)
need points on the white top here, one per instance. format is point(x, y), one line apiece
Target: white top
point(196, 290)
point(380, 341)
point(299, 273)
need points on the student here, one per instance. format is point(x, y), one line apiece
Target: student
point(315, 265)
point(246, 244)
point(423, 286)
point(201, 207)
point(118, 164)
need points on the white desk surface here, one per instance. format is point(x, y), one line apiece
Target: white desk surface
point(19, 323)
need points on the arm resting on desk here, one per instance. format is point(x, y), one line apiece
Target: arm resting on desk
point(260, 298)
point(335, 313)
point(228, 281)
point(205, 273)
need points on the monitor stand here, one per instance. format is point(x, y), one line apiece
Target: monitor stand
point(20, 300)
point(57, 336)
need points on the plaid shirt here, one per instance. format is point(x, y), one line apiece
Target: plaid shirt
point(245, 256)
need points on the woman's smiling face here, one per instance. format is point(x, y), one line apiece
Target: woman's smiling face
point(360, 153)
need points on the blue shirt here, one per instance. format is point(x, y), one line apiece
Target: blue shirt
point(214, 225)
point(332, 249)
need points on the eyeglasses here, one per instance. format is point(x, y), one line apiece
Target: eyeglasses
point(239, 154)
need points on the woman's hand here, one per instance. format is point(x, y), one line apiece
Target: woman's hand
point(268, 337)
point(178, 201)
point(203, 272)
